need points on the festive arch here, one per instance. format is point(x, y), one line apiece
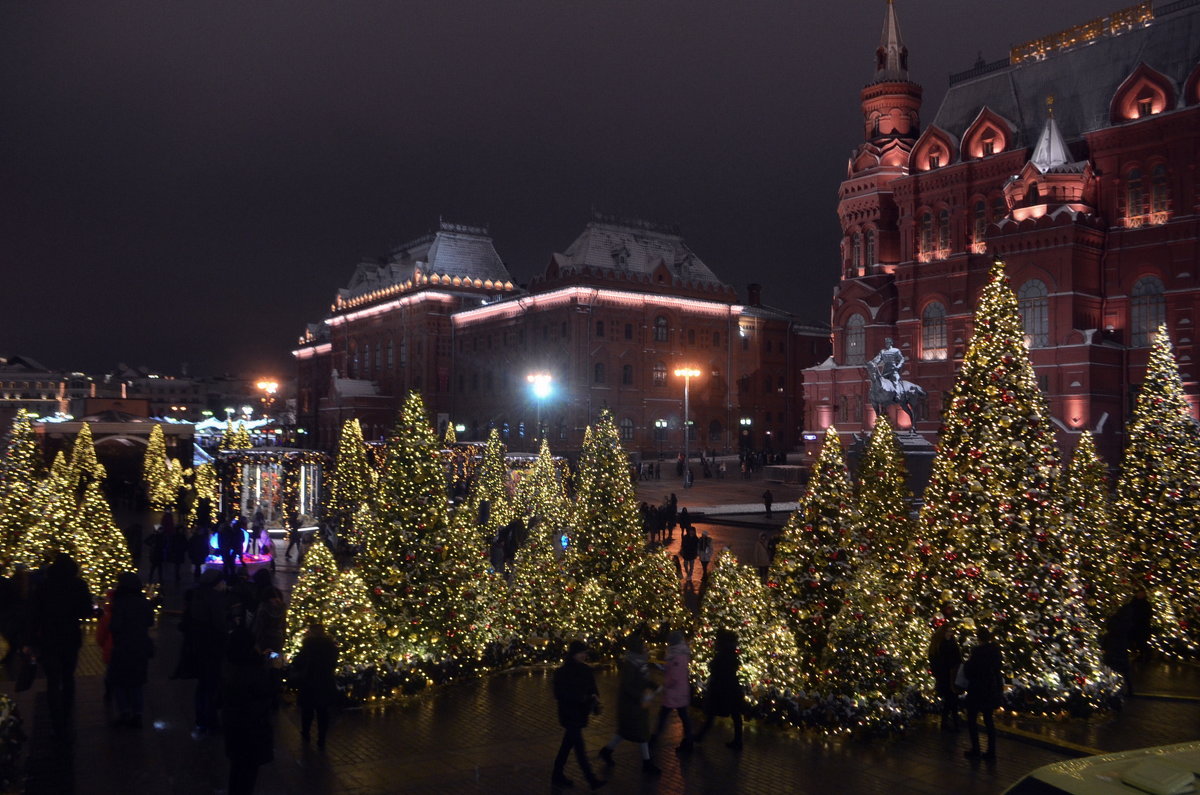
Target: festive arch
point(1145, 92)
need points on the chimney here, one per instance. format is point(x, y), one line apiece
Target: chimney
point(754, 294)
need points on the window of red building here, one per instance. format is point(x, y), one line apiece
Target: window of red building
point(933, 332)
point(1147, 309)
point(660, 374)
point(661, 331)
point(1034, 306)
point(855, 343)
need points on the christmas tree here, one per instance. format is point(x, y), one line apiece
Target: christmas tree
point(59, 468)
point(351, 484)
point(156, 473)
point(1157, 498)
point(886, 504)
point(20, 493)
point(607, 539)
point(339, 601)
point(488, 503)
point(102, 553)
point(816, 555)
point(993, 523)
point(84, 467)
point(536, 604)
point(1099, 555)
point(450, 439)
point(736, 600)
point(241, 438)
point(205, 490)
point(55, 529)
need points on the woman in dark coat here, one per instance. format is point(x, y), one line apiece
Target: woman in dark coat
point(635, 690)
point(247, 694)
point(577, 697)
point(985, 686)
point(725, 695)
point(944, 659)
point(313, 673)
point(129, 628)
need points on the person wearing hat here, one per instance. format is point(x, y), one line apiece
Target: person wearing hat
point(677, 691)
point(577, 696)
point(635, 691)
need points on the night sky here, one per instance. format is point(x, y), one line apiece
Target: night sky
point(191, 181)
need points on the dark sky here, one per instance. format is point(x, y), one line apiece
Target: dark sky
point(191, 181)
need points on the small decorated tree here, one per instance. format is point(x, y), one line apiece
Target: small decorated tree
point(450, 439)
point(83, 467)
point(817, 553)
point(156, 473)
point(488, 503)
point(1099, 554)
point(339, 601)
point(352, 482)
point(20, 493)
point(1158, 501)
point(103, 552)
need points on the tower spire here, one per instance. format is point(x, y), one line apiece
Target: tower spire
point(1051, 150)
point(891, 59)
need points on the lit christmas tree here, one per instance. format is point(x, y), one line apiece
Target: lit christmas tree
point(735, 599)
point(59, 468)
point(101, 548)
point(816, 556)
point(340, 602)
point(205, 491)
point(156, 473)
point(1099, 555)
point(1157, 501)
point(994, 525)
point(241, 438)
point(536, 603)
point(20, 493)
point(55, 530)
point(490, 487)
point(450, 439)
point(607, 540)
point(885, 502)
point(351, 484)
point(83, 467)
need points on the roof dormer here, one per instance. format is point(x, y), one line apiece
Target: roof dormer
point(1145, 92)
point(990, 134)
point(935, 148)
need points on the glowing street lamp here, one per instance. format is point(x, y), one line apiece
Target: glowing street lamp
point(541, 384)
point(661, 425)
point(687, 373)
point(268, 388)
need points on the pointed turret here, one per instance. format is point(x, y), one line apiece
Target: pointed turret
point(1051, 150)
point(891, 59)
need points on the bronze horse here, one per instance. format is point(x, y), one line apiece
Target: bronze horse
point(885, 393)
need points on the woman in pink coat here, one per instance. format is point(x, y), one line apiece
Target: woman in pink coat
point(677, 690)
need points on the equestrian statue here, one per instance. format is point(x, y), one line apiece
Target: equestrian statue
point(887, 388)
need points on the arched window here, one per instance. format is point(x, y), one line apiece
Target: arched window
point(403, 352)
point(626, 429)
point(933, 332)
point(366, 359)
point(1035, 318)
point(660, 329)
point(869, 247)
point(1135, 197)
point(856, 259)
point(855, 345)
point(979, 224)
point(627, 374)
point(391, 355)
point(1159, 196)
point(660, 374)
point(943, 233)
point(1147, 310)
point(925, 244)
point(598, 373)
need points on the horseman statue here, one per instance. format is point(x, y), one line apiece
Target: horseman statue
point(888, 388)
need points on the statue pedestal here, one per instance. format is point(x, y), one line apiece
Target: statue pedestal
point(918, 459)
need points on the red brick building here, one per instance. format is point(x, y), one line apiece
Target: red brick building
point(610, 320)
point(1074, 160)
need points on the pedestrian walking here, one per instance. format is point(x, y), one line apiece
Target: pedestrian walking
point(205, 626)
point(59, 604)
point(677, 690)
point(724, 696)
point(313, 671)
point(129, 628)
point(293, 538)
point(154, 553)
point(246, 697)
point(704, 551)
point(985, 686)
point(761, 557)
point(688, 549)
point(768, 499)
point(229, 544)
point(944, 659)
point(269, 623)
point(198, 548)
point(578, 698)
point(635, 691)
point(174, 544)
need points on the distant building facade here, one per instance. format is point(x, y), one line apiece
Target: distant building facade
point(609, 320)
point(27, 384)
point(1073, 160)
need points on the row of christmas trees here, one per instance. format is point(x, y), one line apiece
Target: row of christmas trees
point(1006, 539)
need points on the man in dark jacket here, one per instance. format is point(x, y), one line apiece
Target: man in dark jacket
point(577, 696)
point(985, 686)
point(59, 604)
point(313, 674)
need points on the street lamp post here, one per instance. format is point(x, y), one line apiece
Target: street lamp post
point(687, 373)
point(661, 425)
point(540, 383)
point(268, 388)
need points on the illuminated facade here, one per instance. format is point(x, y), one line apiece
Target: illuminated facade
point(609, 320)
point(1074, 160)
